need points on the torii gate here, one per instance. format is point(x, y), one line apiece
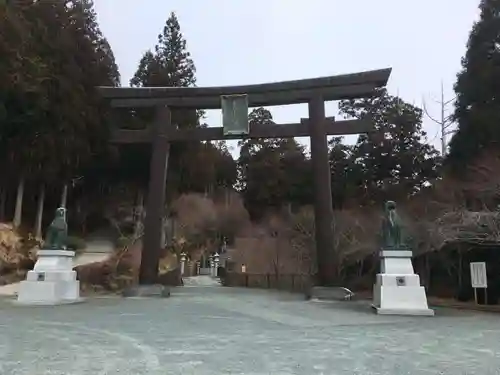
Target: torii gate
point(312, 91)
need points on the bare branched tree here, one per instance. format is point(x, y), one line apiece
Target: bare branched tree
point(444, 121)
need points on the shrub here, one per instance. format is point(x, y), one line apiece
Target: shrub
point(17, 254)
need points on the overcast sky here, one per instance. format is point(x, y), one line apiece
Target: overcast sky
point(236, 42)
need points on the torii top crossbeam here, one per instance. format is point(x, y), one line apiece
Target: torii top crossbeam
point(346, 86)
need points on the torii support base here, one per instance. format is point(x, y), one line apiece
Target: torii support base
point(156, 291)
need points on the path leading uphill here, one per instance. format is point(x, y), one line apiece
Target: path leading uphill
point(201, 280)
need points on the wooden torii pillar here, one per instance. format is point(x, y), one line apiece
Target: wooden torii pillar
point(312, 91)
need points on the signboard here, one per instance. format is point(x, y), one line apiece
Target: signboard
point(478, 275)
point(235, 114)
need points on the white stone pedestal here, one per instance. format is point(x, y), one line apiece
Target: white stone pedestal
point(52, 281)
point(397, 289)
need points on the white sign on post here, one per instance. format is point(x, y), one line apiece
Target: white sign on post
point(478, 275)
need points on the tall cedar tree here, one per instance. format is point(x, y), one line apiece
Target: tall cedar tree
point(193, 165)
point(54, 123)
point(99, 69)
point(68, 128)
point(477, 107)
point(23, 98)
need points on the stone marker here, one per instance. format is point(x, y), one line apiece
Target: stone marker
point(53, 280)
point(216, 262)
point(397, 288)
point(183, 262)
point(159, 289)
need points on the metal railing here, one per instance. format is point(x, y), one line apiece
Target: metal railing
point(288, 282)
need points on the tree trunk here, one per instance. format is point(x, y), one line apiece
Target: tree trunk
point(460, 269)
point(3, 201)
point(139, 213)
point(39, 212)
point(19, 204)
point(82, 218)
point(64, 196)
point(427, 271)
point(277, 259)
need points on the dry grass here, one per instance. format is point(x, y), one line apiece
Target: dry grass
point(17, 254)
point(464, 210)
point(286, 245)
point(201, 223)
point(120, 270)
point(434, 217)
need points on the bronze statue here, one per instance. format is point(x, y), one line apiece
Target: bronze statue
point(391, 228)
point(57, 233)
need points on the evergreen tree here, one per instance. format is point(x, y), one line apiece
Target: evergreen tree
point(477, 107)
point(192, 165)
point(54, 123)
point(226, 171)
point(395, 160)
point(342, 166)
point(273, 172)
point(170, 64)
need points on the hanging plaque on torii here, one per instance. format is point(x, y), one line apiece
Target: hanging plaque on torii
point(235, 114)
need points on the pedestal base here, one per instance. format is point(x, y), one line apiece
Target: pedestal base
point(406, 299)
point(397, 290)
point(412, 312)
point(158, 291)
point(320, 293)
point(52, 281)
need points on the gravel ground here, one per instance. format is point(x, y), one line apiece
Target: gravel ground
point(216, 330)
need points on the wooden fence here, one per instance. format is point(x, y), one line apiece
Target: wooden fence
point(291, 283)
